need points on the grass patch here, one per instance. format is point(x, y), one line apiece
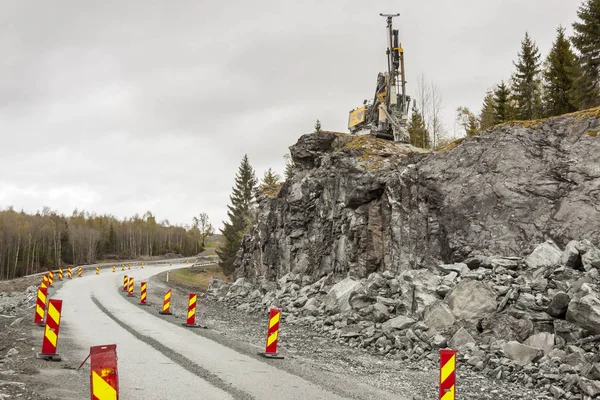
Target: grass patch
point(593, 133)
point(197, 277)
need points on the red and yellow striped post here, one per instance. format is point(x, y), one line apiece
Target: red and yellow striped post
point(130, 289)
point(40, 306)
point(125, 283)
point(50, 340)
point(45, 281)
point(191, 314)
point(447, 374)
point(142, 265)
point(60, 274)
point(50, 278)
point(104, 375)
point(128, 266)
point(166, 309)
point(70, 272)
point(114, 268)
point(122, 267)
point(143, 294)
point(79, 272)
point(272, 334)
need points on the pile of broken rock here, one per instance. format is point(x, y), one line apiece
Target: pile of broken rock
point(534, 320)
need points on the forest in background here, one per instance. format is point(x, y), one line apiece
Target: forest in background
point(48, 240)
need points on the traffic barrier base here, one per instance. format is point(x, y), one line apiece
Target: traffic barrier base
point(191, 314)
point(166, 309)
point(272, 335)
point(50, 340)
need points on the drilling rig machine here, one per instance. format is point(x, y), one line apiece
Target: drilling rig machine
point(386, 116)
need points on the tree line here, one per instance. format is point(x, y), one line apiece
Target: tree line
point(566, 80)
point(31, 243)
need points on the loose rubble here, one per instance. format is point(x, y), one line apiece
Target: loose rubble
point(533, 320)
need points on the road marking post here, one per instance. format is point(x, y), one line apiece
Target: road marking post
point(50, 340)
point(97, 270)
point(70, 272)
point(142, 265)
point(45, 281)
point(191, 314)
point(128, 266)
point(40, 305)
point(122, 267)
point(114, 268)
point(125, 283)
point(166, 309)
point(50, 278)
point(272, 334)
point(79, 272)
point(447, 374)
point(104, 374)
point(143, 287)
point(130, 290)
point(60, 274)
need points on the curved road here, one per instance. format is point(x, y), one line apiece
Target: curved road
point(160, 360)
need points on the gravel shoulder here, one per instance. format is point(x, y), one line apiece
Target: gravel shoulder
point(319, 358)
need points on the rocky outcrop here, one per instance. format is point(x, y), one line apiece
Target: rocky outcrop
point(357, 205)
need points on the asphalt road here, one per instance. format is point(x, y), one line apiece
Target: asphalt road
point(160, 360)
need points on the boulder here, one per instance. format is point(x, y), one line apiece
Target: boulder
point(545, 255)
point(461, 338)
point(400, 322)
point(521, 353)
point(585, 312)
point(558, 305)
point(570, 256)
point(336, 300)
point(380, 313)
point(417, 288)
point(507, 327)
point(591, 259)
point(472, 300)
point(542, 340)
point(438, 316)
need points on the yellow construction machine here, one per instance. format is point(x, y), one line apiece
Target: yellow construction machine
point(386, 115)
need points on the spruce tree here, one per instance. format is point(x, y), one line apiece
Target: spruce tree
point(419, 137)
point(270, 183)
point(502, 104)
point(468, 120)
point(239, 213)
point(586, 40)
point(526, 81)
point(289, 164)
point(559, 77)
point(318, 126)
point(487, 116)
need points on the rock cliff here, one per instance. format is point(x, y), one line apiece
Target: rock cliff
point(358, 205)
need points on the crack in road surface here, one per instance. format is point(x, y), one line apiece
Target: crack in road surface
point(178, 358)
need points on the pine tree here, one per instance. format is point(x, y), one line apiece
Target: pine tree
point(419, 137)
point(468, 120)
point(239, 213)
point(502, 104)
point(318, 126)
point(559, 77)
point(270, 182)
point(487, 116)
point(526, 81)
point(289, 164)
point(586, 40)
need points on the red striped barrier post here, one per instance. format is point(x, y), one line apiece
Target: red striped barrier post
point(70, 272)
point(272, 334)
point(45, 281)
point(125, 283)
point(60, 274)
point(166, 309)
point(40, 306)
point(447, 374)
point(50, 340)
point(122, 267)
point(50, 278)
point(104, 374)
point(114, 268)
point(191, 314)
point(130, 289)
point(143, 294)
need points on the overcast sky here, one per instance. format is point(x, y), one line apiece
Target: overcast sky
point(125, 106)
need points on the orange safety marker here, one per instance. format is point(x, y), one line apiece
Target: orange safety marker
point(447, 374)
point(40, 305)
point(125, 283)
point(130, 291)
point(104, 375)
point(50, 340)
point(114, 268)
point(50, 278)
point(60, 274)
point(166, 310)
point(272, 334)
point(143, 294)
point(79, 272)
point(191, 314)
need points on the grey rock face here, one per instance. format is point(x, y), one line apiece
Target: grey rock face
point(585, 312)
point(359, 205)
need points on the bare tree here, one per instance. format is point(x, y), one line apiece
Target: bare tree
point(204, 227)
point(429, 99)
